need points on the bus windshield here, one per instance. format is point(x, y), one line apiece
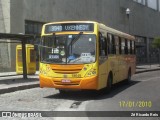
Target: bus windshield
point(68, 49)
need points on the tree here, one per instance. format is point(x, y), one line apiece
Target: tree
point(156, 44)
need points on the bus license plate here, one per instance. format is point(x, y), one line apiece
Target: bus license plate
point(66, 81)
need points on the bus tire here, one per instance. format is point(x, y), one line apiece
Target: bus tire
point(62, 92)
point(129, 76)
point(109, 82)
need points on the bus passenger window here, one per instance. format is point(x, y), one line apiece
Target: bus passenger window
point(129, 47)
point(109, 39)
point(113, 45)
point(106, 46)
point(116, 44)
point(120, 46)
point(123, 45)
point(133, 47)
point(102, 45)
point(126, 46)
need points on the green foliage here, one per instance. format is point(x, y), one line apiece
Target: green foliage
point(156, 42)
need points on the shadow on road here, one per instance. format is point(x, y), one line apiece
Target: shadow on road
point(93, 95)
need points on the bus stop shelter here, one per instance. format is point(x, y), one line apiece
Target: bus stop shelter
point(18, 38)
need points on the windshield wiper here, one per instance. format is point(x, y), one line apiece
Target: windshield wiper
point(71, 43)
point(74, 40)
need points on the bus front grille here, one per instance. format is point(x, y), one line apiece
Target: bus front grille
point(67, 69)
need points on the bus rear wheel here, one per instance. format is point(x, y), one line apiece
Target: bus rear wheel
point(129, 77)
point(109, 83)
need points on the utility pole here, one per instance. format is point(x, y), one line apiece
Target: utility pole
point(128, 11)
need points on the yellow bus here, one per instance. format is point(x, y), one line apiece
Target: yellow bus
point(84, 55)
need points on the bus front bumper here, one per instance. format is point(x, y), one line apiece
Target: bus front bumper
point(89, 83)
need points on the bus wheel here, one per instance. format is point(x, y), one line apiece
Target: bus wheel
point(109, 83)
point(62, 92)
point(129, 76)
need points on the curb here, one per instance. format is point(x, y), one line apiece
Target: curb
point(147, 71)
point(8, 75)
point(17, 88)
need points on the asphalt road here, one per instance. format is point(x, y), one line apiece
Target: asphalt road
point(142, 94)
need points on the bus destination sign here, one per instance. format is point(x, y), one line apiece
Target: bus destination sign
point(69, 27)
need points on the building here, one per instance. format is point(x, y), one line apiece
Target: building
point(28, 16)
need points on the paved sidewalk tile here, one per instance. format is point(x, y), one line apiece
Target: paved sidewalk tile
point(147, 68)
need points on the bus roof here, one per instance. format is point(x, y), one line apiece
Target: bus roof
point(117, 32)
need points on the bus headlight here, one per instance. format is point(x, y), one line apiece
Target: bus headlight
point(92, 72)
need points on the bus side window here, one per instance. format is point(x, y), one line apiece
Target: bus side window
point(126, 46)
point(106, 47)
point(120, 45)
point(102, 45)
point(133, 47)
point(123, 45)
point(129, 47)
point(109, 39)
point(116, 44)
point(113, 45)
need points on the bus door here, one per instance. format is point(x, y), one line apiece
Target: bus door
point(118, 59)
point(114, 58)
point(123, 64)
point(103, 56)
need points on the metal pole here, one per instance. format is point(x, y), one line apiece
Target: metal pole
point(129, 23)
point(24, 59)
point(159, 56)
point(147, 48)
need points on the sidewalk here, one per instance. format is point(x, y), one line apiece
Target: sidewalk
point(147, 68)
point(10, 82)
point(15, 82)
